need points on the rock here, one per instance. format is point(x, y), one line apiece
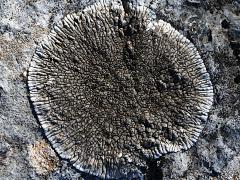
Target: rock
point(5, 151)
point(42, 157)
point(212, 25)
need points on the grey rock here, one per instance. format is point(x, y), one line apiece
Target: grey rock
point(217, 152)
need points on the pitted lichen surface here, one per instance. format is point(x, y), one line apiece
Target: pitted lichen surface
point(113, 88)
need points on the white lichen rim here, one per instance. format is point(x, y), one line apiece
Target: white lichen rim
point(160, 27)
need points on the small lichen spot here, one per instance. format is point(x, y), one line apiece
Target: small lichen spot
point(42, 157)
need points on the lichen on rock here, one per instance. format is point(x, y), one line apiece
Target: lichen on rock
point(113, 87)
point(42, 157)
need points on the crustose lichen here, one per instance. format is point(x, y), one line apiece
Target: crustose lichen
point(112, 89)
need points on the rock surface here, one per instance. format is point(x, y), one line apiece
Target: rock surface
point(212, 25)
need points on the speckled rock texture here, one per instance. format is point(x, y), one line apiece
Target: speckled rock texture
point(212, 26)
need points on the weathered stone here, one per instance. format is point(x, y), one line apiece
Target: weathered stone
point(215, 155)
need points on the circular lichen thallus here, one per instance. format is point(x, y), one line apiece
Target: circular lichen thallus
point(113, 89)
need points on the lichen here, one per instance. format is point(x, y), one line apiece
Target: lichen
point(42, 157)
point(113, 87)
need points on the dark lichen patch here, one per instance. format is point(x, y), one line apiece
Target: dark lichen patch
point(236, 49)
point(225, 24)
point(195, 3)
point(154, 171)
point(237, 79)
point(1, 92)
point(112, 89)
